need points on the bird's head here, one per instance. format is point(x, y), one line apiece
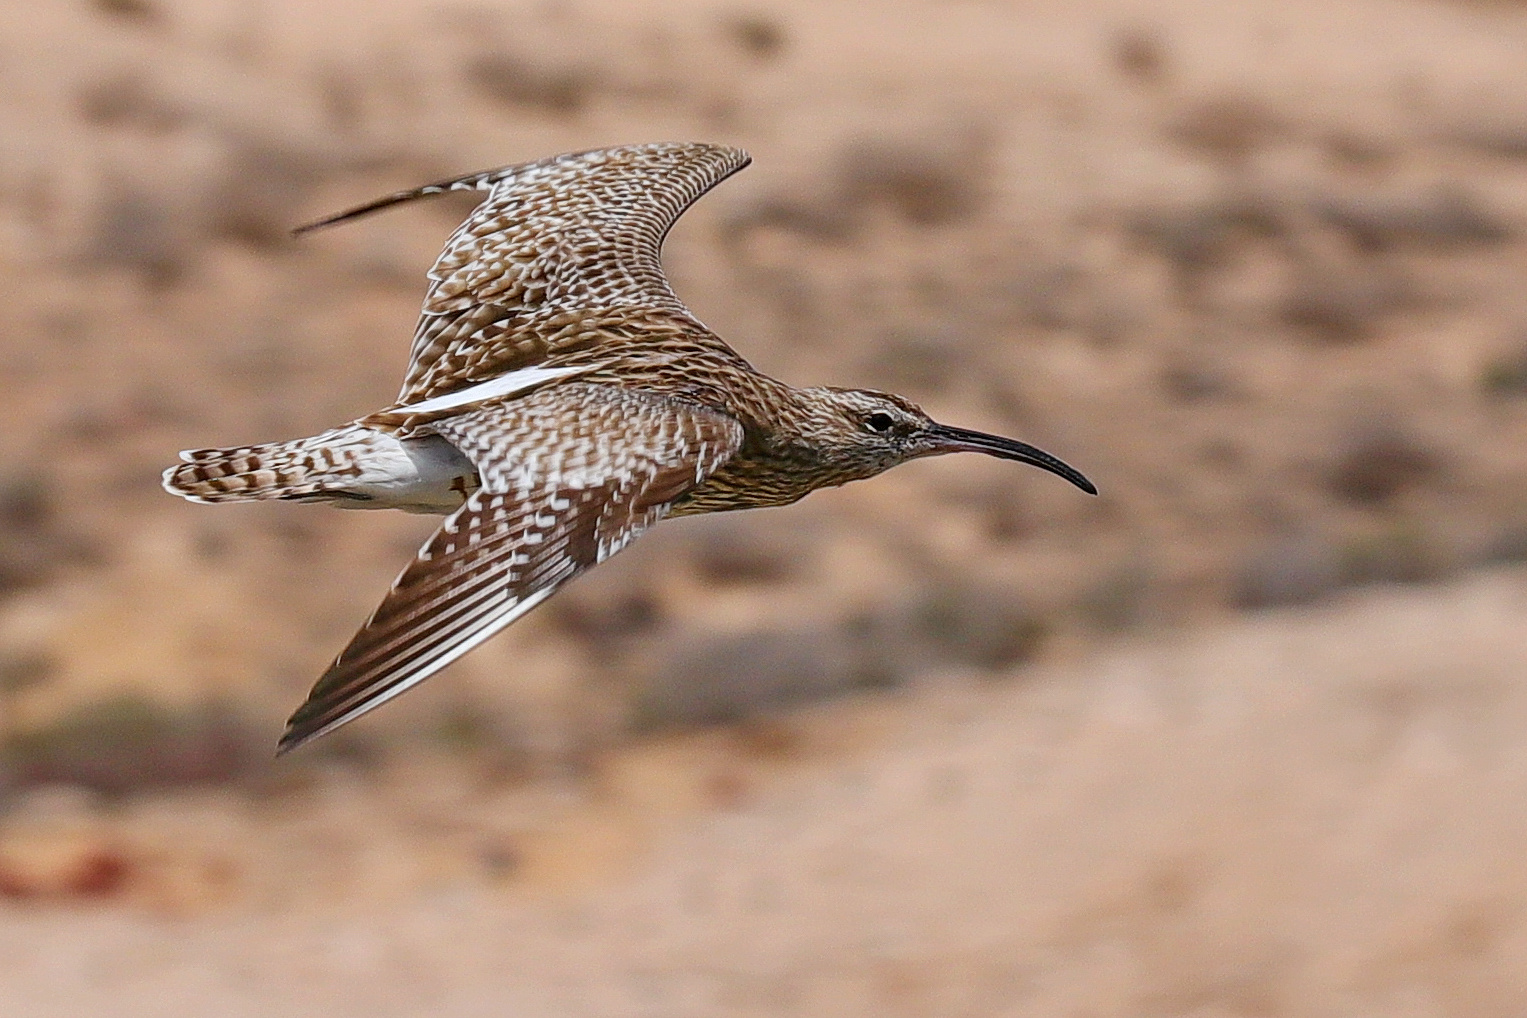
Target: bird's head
point(873, 431)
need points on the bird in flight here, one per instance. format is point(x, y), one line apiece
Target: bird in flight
point(559, 400)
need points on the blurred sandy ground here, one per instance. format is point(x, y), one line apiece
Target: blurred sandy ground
point(1238, 738)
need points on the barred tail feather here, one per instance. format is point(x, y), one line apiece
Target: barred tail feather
point(286, 470)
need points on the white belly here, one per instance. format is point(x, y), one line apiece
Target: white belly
point(417, 475)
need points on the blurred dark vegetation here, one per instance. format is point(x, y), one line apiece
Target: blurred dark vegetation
point(1302, 371)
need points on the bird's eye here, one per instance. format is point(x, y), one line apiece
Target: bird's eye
point(879, 422)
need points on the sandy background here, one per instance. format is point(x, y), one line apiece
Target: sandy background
point(1240, 737)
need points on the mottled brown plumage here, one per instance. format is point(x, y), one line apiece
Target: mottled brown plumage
point(559, 400)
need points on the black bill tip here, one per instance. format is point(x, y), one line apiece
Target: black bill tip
point(947, 439)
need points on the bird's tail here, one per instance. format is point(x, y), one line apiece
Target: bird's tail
point(305, 468)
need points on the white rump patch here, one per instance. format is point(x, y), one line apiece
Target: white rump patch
point(506, 384)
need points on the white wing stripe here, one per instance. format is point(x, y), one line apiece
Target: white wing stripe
point(506, 384)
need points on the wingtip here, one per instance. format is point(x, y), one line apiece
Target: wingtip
point(287, 743)
point(330, 220)
point(377, 205)
point(301, 729)
point(296, 735)
point(290, 738)
point(338, 217)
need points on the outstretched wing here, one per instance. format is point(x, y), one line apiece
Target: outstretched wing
point(554, 241)
point(570, 474)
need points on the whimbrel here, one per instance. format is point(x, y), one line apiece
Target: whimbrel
point(560, 400)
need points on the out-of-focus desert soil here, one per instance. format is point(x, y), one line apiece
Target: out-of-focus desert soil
point(1309, 813)
point(956, 741)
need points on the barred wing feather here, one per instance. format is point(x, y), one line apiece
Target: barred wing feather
point(571, 474)
point(553, 241)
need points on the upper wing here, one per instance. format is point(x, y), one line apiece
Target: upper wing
point(571, 474)
point(553, 240)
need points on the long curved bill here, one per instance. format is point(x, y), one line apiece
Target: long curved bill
point(948, 439)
